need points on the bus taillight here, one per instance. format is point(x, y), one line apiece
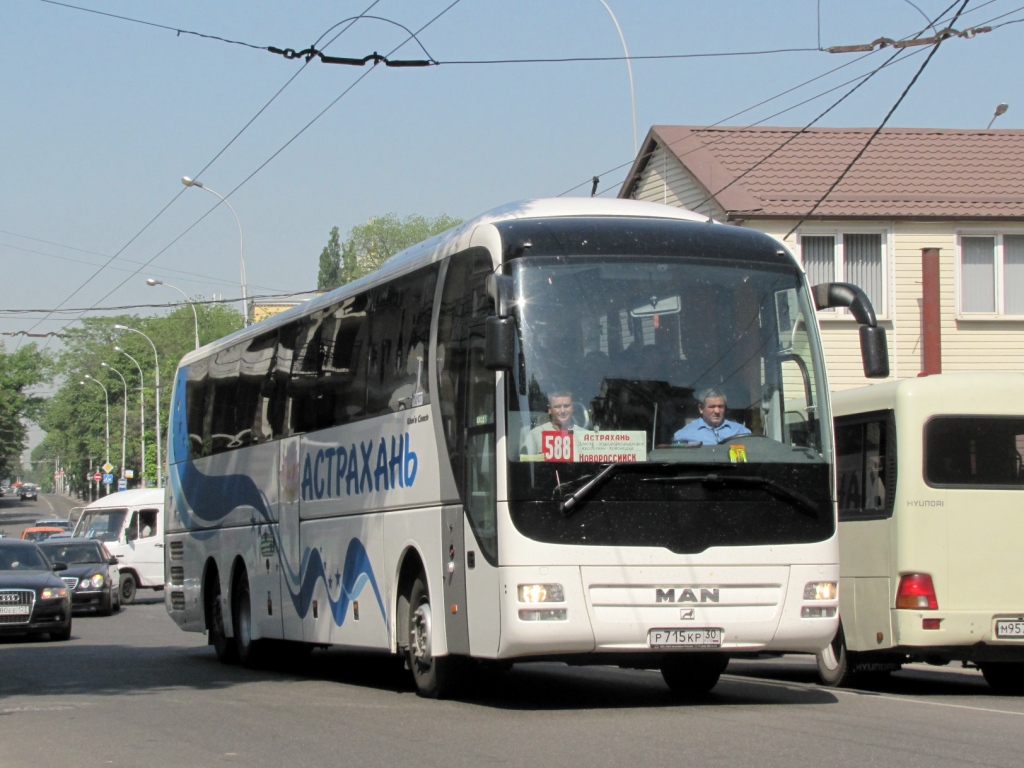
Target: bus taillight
point(916, 592)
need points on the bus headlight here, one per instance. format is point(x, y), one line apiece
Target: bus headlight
point(547, 614)
point(541, 593)
point(821, 590)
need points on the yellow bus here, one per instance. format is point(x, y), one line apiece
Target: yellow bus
point(930, 489)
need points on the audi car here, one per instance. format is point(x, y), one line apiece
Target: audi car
point(92, 575)
point(33, 599)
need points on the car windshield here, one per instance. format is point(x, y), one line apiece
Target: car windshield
point(102, 524)
point(22, 558)
point(74, 552)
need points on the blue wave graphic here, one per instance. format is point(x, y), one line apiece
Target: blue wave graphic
point(211, 499)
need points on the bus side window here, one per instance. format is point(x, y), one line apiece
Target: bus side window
point(865, 465)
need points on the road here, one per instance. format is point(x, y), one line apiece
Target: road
point(132, 690)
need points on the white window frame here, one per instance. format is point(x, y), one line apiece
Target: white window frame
point(999, 280)
point(837, 233)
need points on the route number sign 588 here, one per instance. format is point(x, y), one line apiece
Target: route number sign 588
point(556, 446)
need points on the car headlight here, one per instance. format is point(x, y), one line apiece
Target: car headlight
point(96, 581)
point(53, 593)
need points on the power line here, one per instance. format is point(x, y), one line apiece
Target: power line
point(878, 130)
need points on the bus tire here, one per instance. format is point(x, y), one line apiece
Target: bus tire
point(1005, 677)
point(248, 651)
point(223, 645)
point(436, 677)
point(692, 675)
point(835, 667)
point(127, 588)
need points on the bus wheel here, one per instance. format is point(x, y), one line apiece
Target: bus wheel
point(835, 668)
point(127, 588)
point(692, 675)
point(1006, 677)
point(223, 646)
point(247, 649)
point(435, 677)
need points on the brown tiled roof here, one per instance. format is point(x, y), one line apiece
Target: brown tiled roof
point(906, 172)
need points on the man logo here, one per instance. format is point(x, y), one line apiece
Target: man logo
point(686, 595)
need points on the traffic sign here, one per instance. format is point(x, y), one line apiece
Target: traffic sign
point(108, 478)
point(122, 483)
point(97, 477)
point(108, 468)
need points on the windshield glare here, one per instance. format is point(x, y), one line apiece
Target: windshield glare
point(102, 524)
point(614, 353)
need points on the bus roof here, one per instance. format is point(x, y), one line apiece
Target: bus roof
point(959, 392)
point(456, 239)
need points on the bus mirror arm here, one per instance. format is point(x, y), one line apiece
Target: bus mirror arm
point(499, 289)
point(874, 349)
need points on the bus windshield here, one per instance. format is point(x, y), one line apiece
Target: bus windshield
point(102, 524)
point(615, 354)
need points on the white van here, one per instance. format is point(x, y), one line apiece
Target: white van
point(931, 518)
point(131, 524)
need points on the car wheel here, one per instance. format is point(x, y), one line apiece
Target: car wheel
point(436, 677)
point(692, 675)
point(115, 599)
point(63, 634)
point(107, 608)
point(127, 588)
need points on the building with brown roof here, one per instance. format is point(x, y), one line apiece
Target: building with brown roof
point(960, 192)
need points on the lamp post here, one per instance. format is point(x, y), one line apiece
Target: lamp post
point(1000, 110)
point(124, 426)
point(152, 281)
point(156, 357)
point(106, 399)
point(142, 413)
point(241, 250)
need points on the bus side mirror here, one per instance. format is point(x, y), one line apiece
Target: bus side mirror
point(499, 343)
point(874, 350)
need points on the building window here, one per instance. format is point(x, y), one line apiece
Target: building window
point(857, 258)
point(992, 275)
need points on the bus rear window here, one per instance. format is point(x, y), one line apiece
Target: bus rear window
point(974, 451)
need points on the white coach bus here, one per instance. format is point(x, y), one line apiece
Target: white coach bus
point(356, 471)
point(931, 518)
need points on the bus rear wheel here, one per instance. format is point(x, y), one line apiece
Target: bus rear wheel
point(249, 651)
point(223, 645)
point(1005, 677)
point(692, 675)
point(436, 677)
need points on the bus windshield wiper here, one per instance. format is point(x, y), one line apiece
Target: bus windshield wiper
point(569, 504)
point(775, 488)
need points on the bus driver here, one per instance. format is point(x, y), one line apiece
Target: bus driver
point(712, 427)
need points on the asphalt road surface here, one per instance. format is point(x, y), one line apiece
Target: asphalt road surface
point(133, 690)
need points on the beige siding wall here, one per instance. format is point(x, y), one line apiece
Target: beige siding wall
point(664, 180)
point(967, 345)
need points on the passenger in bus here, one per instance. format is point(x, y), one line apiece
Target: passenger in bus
point(712, 427)
point(560, 418)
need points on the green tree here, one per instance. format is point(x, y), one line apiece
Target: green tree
point(75, 417)
point(330, 263)
point(19, 372)
point(368, 245)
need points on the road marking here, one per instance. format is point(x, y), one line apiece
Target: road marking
point(876, 694)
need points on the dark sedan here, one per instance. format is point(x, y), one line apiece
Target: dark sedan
point(92, 575)
point(28, 491)
point(33, 600)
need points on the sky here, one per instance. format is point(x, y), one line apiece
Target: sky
point(102, 116)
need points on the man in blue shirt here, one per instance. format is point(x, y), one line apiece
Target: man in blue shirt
point(712, 427)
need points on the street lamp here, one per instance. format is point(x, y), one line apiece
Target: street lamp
point(152, 281)
point(1000, 110)
point(241, 250)
point(124, 426)
point(142, 412)
point(106, 399)
point(156, 357)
